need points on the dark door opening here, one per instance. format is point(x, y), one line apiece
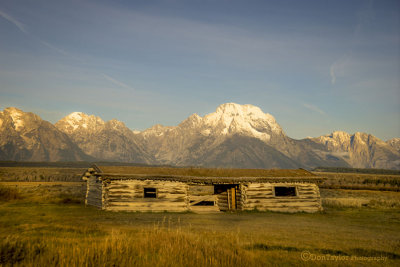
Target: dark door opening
point(227, 196)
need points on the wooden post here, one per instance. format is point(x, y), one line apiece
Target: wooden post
point(228, 194)
point(233, 198)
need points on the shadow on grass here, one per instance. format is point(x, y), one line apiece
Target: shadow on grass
point(373, 253)
point(13, 251)
point(70, 200)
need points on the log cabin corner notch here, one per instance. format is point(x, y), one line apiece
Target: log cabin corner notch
point(119, 188)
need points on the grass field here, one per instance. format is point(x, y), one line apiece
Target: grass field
point(47, 224)
point(360, 181)
point(41, 174)
point(334, 180)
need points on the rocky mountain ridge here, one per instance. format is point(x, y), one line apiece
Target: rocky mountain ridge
point(110, 141)
point(26, 137)
point(395, 143)
point(361, 150)
point(241, 136)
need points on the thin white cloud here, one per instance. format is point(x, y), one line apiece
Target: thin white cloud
point(116, 82)
point(23, 29)
point(342, 68)
point(53, 47)
point(314, 108)
point(14, 21)
point(222, 43)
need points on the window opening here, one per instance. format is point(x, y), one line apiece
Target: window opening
point(285, 191)
point(150, 192)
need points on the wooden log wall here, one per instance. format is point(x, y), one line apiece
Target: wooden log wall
point(261, 196)
point(222, 201)
point(128, 195)
point(93, 192)
point(240, 195)
point(198, 193)
point(225, 202)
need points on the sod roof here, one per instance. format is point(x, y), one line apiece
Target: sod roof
point(205, 175)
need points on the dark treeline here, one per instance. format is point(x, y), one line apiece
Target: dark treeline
point(63, 164)
point(356, 170)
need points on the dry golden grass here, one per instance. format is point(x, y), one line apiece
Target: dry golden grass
point(9, 193)
point(169, 241)
point(384, 182)
point(360, 198)
point(40, 174)
point(44, 192)
point(149, 247)
point(344, 202)
point(43, 230)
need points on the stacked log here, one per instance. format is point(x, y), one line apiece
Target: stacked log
point(261, 196)
point(128, 195)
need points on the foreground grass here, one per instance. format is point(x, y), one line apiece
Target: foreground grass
point(41, 228)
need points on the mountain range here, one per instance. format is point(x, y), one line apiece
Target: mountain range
point(235, 136)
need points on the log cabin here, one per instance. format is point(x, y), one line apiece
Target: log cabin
point(159, 189)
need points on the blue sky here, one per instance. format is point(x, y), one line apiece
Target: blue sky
point(317, 66)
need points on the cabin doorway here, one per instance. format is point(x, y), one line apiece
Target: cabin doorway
point(228, 196)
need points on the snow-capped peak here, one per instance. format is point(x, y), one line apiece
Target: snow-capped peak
point(77, 116)
point(77, 120)
point(234, 109)
point(340, 135)
point(231, 118)
point(191, 121)
point(16, 115)
point(157, 130)
point(227, 112)
point(335, 139)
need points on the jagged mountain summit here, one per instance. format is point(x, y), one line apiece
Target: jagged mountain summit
point(237, 136)
point(217, 139)
point(191, 141)
point(24, 136)
point(361, 150)
point(110, 140)
point(245, 120)
point(228, 119)
point(78, 122)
